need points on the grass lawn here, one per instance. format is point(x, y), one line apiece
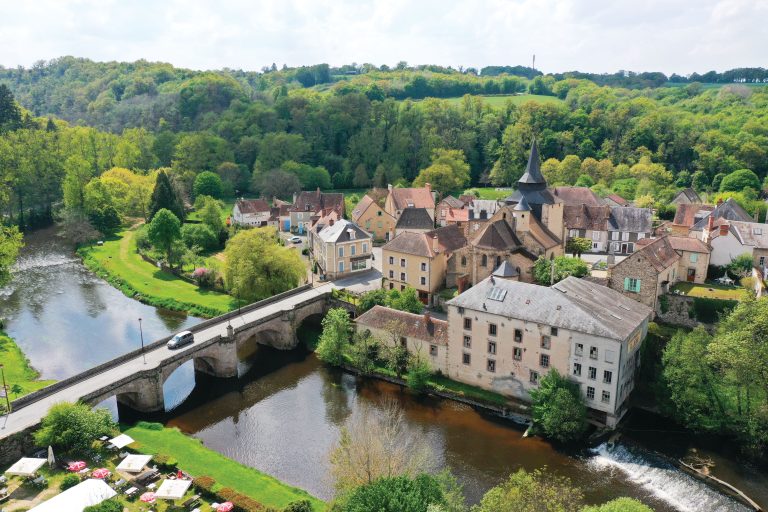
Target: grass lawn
point(709, 291)
point(494, 193)
point(118, 257)
point(198, 460)
point(17, 370)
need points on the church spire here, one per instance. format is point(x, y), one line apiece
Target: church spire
point(533, 169)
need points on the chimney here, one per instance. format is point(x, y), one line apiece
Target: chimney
point(723, 229)
point(711, 223)
point(428, 187)
point(435, 244)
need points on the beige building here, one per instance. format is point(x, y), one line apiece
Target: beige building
point(505, 335)
point(307, 206)
point(419, 260)
point(398, 199)
point(341, 248)
point(370, 215)
point(421, 335)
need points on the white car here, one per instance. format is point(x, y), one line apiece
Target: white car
point(181, 339)
point(295, 240)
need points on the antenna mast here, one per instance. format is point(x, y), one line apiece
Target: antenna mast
point(534, 61)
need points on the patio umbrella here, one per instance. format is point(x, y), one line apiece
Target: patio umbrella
point(101, 473)
point(225, 507)
point(51, 458)
point(77, 466)
point(148, 497)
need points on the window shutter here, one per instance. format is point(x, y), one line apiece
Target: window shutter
point(637, 285)
point(626, 283)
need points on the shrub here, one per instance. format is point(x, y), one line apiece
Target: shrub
point(165, 462)
point(418, 375)
point(199, 235)
point(715, 272)
point(204, 484)
point(708, 311)
point(69, 481)
point(74, 426)
point(664, 304)
point(299, 506)
point(112, 505)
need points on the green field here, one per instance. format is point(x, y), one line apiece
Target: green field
point(198, 460)
point(128, 271)
point(17, 370)
point(490, 192)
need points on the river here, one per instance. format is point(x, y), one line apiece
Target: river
point(285, 412)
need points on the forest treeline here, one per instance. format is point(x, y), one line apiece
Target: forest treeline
point(268, 132)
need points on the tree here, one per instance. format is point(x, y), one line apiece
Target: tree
point(75, 227)
point(419, 373)
point(299, 506)
point(73, 427)
point(200, 236)
point(738, 180)
point(406, 300)
point(335, 337)
point(369, 299)
point(77, 175)
point(536, 491)
point(163, 231)
point(207, 184)
point(105, 218)
point(276, 183)
point(700, 181)
point(619, 505)
point(165, 196)
point(396, 494)
point(257, 266)
point(11, 242)
point(557, 408)
point(563, 267)
point(361, 179)
point(576, 246)
point(449, 171)
point(210, 213)
point(311, 178)
point(278, 147)
point(10, 114)
point(377, 442)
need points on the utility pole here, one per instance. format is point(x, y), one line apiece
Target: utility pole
point(141, 333)
point(534, 61)
point(5, 389)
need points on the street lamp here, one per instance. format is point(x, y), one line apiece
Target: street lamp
point(141, 333)
point(5, 389)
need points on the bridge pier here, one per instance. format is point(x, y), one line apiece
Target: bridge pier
point(145, 394)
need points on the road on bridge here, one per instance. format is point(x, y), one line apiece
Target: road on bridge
point(32, 413)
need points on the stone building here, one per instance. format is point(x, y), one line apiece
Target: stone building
point(312, 204)
point(398, 199)
point(505, 335)
point(251, 213)
point(447, 204)
point(626, 226)
point(421, 335)
point(687, 196)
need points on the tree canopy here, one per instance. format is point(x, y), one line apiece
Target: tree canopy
point(557, 408)
point(74, 426)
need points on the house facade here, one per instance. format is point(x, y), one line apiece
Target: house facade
point(341, 248)
point(309, 204)
point(371, 216)
point(626, 226)
point(446, 204)
point(730, 239)
point(590, 222)
point(251, 213)
point(422, 335)
point(414, 220)
point(398, 199)
point(505, 335)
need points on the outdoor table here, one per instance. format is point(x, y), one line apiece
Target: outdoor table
point(131, 491)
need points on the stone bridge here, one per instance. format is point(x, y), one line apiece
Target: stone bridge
point(219, 344)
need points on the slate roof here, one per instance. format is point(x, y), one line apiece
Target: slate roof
point(616, 198)
point(573, 304)
point(404, 198)
point(505, 270)
point(340, 232)
point(752, 234)
point(315, 201)
point(252, 205)
point(450, 238)
point(659, 253)
point(477, 205)
point(421, 327)
point(532, 185)
point(533, 169)
point(685, 243)
point(689, 214)
point(577, 196)
point(729, 210)
point(497, 235)
point(689, 194)
point(631, 219)
point(594, 218)
point(415, 218)
point(452, 202)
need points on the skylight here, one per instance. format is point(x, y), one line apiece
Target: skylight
point(497, 294)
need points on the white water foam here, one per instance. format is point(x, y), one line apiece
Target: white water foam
point(663, 480)
point(42, 261)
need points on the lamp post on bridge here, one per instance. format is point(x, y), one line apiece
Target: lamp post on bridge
point(5, 390)
point(141, 333)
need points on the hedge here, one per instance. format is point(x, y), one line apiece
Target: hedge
point(709, 311)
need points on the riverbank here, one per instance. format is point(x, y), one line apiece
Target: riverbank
point(118, 263)
point(20, 377)
point(198, 460)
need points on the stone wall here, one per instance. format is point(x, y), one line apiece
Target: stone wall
point(679, 305)
point(15, 446)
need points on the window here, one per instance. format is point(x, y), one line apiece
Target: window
point(378, 213)
point(610, 356)
point(546, 342)
point(491, 347)
point(553, 331)
point(577, 369)
point(625, 237)
point(632, 285)
point(365, 247)
point(517, 353)
point(391, 286)
point(341, 252)
point(544, 360)
point(402, 262)
point(579, 349)
point(467, 323)
point(402, 287)
point(595, 235)
point(368, 224)
point(391, 260)
point(467, 341)
point(391, 274)
point(463, 261)
point(402, 276)
point(518, 335)
point(433, 350)
point(607, 377)
point(423, 280)
point(498, 261)
point(341, 266)
point(606, 396)
point(491, 365)
point(694, 257)
point(640, 236)
point(573, 233)
point(593, 352)
point(466, 358)
point(615, 235)
point(492, 329)
point(595, 245)
point(615, 247)
point(423, 267)
point(534, 378)
point(352, 250)
point(379, 225)
point(403, 341)
point(590, 393)
point(359, 265)
point(762, 261)
point(484, 261)
point(592, 373)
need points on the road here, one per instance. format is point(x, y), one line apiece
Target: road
point(31, 414)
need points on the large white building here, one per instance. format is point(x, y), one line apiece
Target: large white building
point(251, 212)
point(505, 335)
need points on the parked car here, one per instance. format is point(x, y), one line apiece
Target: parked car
point(181, 339)
point(295, 240)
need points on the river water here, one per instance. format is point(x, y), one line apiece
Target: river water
point(285, 412)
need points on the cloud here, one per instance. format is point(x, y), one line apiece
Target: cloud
point(590, 35)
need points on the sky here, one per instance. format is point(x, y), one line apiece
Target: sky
point(679, 36)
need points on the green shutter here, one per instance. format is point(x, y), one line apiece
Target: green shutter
point(637, 285)
point(626, 284)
